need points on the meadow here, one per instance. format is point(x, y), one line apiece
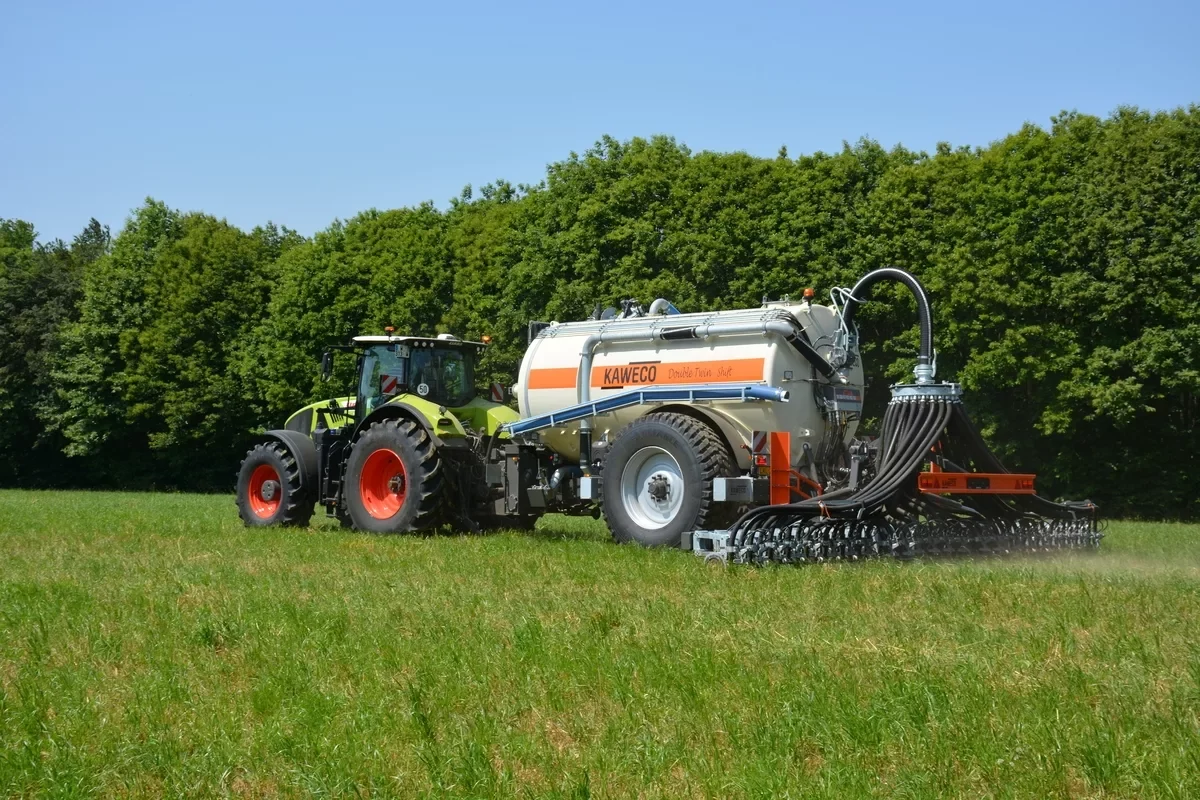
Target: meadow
point(151, 646)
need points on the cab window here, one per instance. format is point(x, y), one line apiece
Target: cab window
point(442, 375)
point(383, 375)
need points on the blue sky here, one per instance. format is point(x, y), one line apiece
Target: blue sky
point(302, 113)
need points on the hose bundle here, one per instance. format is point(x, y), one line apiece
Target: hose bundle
point(889, 515)
point(886, 514)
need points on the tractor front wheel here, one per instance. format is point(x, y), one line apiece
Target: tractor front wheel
point(268, 488)
point(394, 479)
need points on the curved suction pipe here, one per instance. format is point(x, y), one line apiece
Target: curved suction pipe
point(862, 290)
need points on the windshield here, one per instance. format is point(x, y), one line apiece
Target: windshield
point(442, 375)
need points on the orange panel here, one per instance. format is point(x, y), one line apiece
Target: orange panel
point(975, 483)
point(652, 373)
point(781, 467)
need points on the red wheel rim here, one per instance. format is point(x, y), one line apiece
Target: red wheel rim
point(265, 491)
point(383, 484)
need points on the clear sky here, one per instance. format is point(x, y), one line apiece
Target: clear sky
point(303, 113)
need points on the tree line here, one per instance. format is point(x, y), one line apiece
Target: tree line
point(1063, 263)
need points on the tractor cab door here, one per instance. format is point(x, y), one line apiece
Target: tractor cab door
point(443, 375)
point(384, 375)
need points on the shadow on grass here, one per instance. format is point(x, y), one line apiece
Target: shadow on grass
point(560, 528)
point(550, 528)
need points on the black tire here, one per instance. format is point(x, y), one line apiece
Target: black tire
point(700, 454)
point(420, 503)
point(282, 501)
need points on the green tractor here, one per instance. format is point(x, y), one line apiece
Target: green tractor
point(414, 448)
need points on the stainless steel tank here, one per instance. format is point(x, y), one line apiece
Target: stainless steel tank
point(550, 376)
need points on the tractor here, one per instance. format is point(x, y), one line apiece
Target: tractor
point(415, 447)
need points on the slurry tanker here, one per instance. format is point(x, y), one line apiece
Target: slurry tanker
point(732, 433)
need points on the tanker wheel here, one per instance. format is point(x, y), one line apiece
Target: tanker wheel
point(658, 479)
point(394, 479)
point(268, 488)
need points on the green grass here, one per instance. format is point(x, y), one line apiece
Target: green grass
point(151, 646)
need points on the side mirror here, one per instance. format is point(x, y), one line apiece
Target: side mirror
point(326, 365)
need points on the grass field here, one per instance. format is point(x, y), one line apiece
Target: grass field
point(151, 646)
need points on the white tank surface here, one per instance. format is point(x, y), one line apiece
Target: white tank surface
point(550, 377)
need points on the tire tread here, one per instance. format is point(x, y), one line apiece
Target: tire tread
point(298, 508)
point(429, 465)
point(713, 454)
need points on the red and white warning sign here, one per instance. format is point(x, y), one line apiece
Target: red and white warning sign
point(497, 393)
point(389, 384)
point(760, 440)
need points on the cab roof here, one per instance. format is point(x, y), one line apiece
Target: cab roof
point(416, 341)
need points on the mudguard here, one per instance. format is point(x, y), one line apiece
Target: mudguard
point(303, 450)
point(439, 423)
point(486, 417)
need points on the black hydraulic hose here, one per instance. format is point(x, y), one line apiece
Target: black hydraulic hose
point(889, 432)
point(909, 461)
point(946, 504)
point(909, 420)
point(919, 426)
point(983, 455)
point(862, 290)
point(899, 422)
point(928, 421)
point(802, 345)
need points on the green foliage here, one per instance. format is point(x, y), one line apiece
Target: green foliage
point(378, 269)
point(1064, 265)
point(149, 374)
point(40, 288)
point(92, 373)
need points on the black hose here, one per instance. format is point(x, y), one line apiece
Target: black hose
point(984, 456)
point(862, 290)
point(910, 429)
point(800, 342)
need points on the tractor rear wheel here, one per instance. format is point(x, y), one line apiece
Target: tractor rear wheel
point(658, 479)
point(268, 488)
point(394, 479)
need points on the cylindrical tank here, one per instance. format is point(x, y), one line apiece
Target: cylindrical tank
point(550, 378)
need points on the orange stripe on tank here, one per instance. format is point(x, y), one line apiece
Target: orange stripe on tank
point(553, 378)
point(673, 373)
point(652, 373)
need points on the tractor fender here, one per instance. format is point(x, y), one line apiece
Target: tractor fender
point(303, 450)
point(399, 410)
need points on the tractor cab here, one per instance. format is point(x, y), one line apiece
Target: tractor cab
point(439, 370)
